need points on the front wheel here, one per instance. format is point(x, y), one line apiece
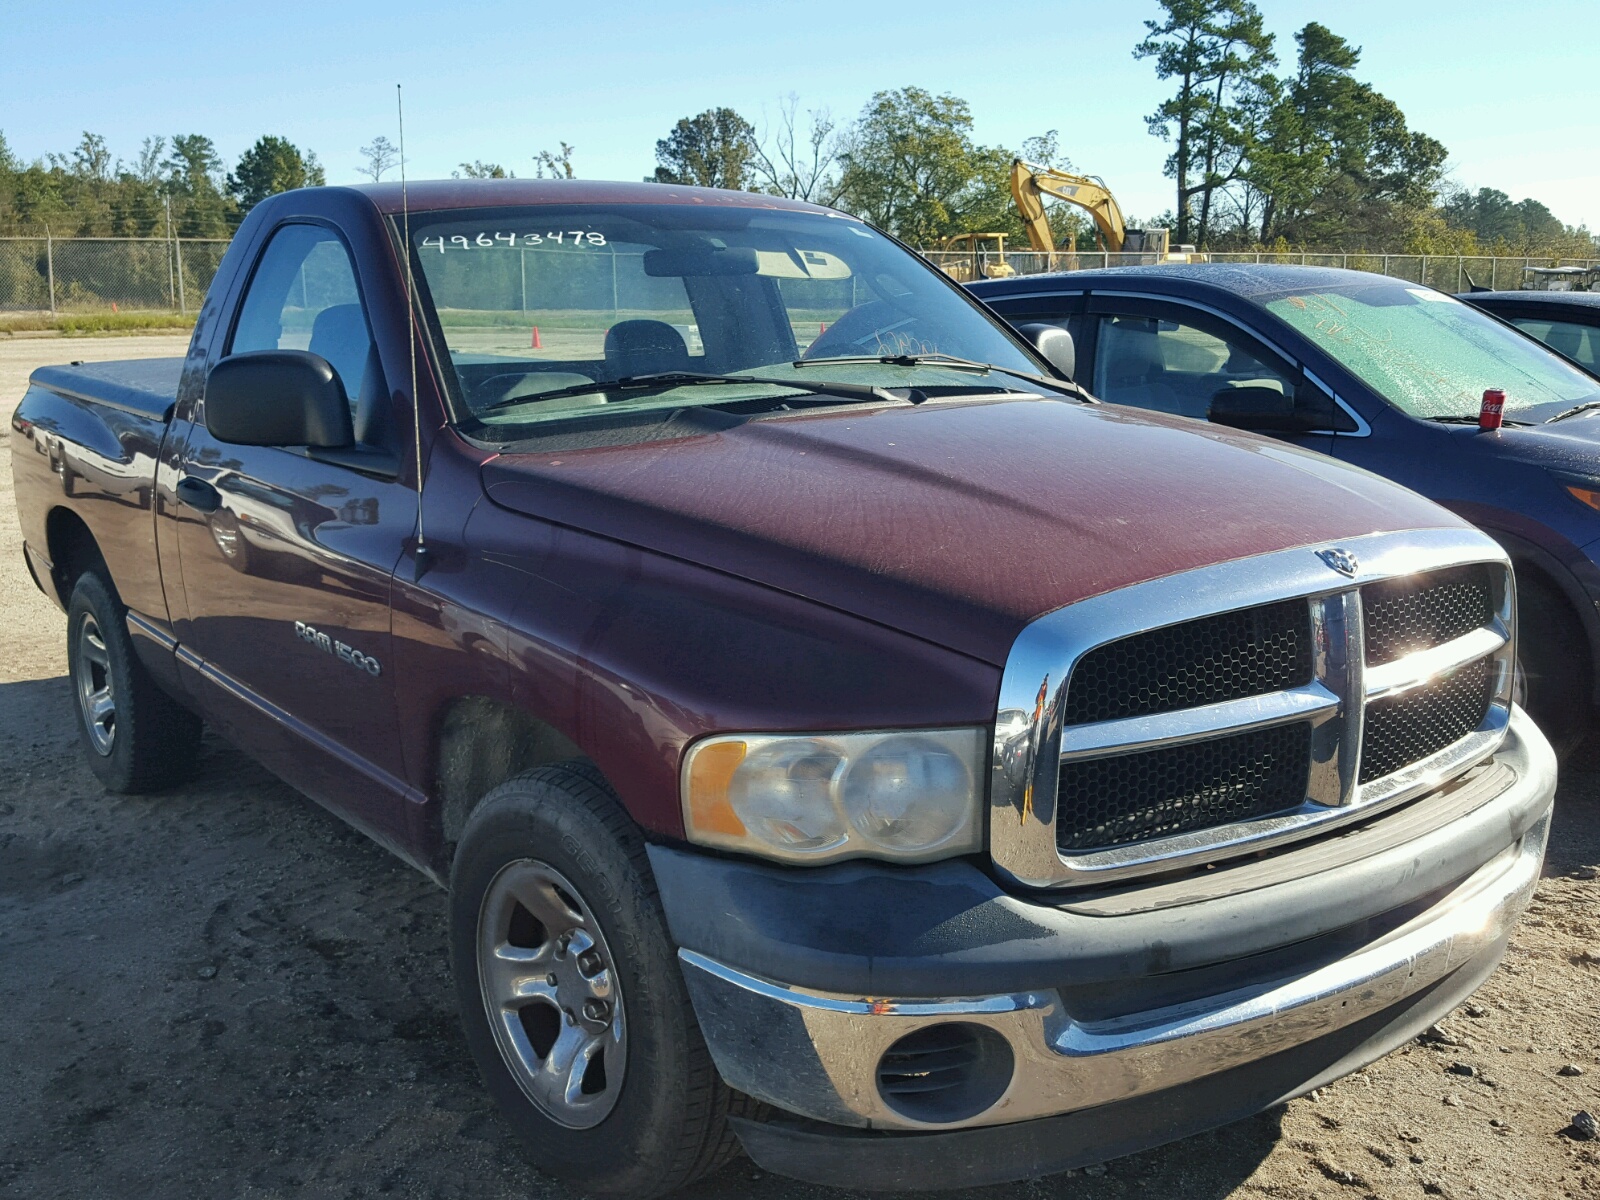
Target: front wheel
point(571, 996)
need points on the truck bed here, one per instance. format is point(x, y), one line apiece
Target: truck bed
point(147, 386)
point(95, 431)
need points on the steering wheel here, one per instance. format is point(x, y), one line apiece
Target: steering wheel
point(870, 328)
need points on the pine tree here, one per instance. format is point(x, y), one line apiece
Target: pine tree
point(1222, 58)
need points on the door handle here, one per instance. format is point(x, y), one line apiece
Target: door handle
point(198, 494)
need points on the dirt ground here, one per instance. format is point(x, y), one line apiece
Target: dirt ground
point(224, 992)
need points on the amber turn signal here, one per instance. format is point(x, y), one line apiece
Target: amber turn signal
point(1586, 496)
point(710, 772)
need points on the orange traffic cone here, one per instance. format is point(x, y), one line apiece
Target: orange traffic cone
point(113, 306)
point(822, 329)
point(537, 344)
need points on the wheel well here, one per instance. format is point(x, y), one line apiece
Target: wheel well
point(1536, 574)
point(482, 743)
point(71, 547)
point(1540, 568)
point(1533, 574)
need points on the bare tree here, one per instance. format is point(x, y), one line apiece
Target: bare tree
point(798, 159)
point(91, 159)
point(1239, 207)
point(1045, 151)
point(148, 166)
point(554, 166)
point(381, 155)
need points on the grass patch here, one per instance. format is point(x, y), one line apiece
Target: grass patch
point(86, 324)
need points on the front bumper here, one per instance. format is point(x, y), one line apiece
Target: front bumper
point(1186, 1023)
point(989, 1154)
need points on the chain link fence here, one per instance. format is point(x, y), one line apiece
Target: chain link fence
point(46, 274)
point(1449, 273)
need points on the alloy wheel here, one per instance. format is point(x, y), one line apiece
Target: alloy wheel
point(550, 991)
point(97, 696)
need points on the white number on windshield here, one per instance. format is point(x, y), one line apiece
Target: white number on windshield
point(487, 240)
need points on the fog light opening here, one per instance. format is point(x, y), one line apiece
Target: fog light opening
point(945, 1073)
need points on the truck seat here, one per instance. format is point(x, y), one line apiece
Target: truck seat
point(1565, 339)
point(1134, 372)
point(339, 334)
point(644, 348)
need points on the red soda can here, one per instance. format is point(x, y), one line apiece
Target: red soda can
point(1493, 410)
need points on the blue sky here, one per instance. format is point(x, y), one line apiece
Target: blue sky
point(1511, 89)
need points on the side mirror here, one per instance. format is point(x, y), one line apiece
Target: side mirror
point(277, 398)
point(1054, 345)
point(1263, 409)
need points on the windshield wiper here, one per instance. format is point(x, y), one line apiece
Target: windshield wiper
point(1067, 387)
point(1459, 420)
point(1586, 406)
point(663, 380)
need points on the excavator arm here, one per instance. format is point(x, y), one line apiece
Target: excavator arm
point(1030, 183)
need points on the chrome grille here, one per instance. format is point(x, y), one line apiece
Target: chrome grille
point(1417, 611)
point(1143, 731)
point(1115, 801)
point(1225, 657)
point(1414, 725)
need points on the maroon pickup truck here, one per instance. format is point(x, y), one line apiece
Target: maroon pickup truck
point(839, 735)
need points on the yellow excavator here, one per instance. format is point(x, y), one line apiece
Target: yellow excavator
point(1031, 183)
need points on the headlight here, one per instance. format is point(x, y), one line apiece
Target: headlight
point(911, 796)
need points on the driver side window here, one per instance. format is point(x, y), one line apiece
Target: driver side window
point(303, 296)
point(1173, 367)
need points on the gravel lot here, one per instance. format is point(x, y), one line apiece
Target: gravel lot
point(222, 991)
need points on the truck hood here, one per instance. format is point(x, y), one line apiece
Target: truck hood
point(958, 522)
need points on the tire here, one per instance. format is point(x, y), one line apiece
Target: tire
point(550, 854)
point(136, 737)
point(1554, 658)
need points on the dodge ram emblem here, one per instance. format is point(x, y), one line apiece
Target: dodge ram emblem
point(1341, 561)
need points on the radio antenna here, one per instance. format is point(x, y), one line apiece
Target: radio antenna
point(421, 556)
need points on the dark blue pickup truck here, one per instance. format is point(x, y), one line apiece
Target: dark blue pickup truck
point(1387, 375)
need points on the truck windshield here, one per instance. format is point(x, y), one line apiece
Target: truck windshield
point(1430, 355)
point(539, 300)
